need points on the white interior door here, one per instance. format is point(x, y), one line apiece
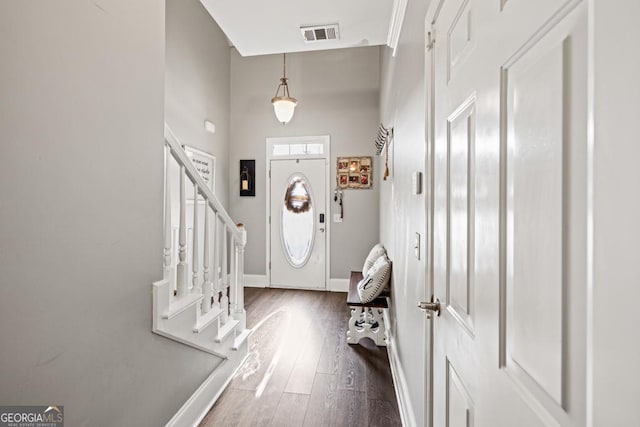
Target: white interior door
point(508, 164)
point(298, 223)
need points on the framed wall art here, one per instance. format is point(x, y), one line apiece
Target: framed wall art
point(247, 178)
point(354, 172)
point(205, 164)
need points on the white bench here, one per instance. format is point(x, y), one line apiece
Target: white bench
point(367, 320)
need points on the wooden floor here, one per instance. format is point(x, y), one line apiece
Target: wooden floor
point(301, 371)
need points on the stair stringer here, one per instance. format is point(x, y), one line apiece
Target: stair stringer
point(180, 327)
point(201, 401)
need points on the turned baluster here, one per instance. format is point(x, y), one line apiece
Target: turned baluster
point(233, 275)
point(216, 261)
point(195, 287)
point(182, 243)
point(206, 302)
point(224, 282)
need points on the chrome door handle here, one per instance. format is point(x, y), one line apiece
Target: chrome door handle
point(431, 307)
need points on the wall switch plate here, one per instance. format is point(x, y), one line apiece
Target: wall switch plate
point(336, 218)
point(416, 245)
point(416, 183)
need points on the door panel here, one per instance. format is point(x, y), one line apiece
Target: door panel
point(297, 229)
point(461, 149)
point(507, 165)
point(534, 214)
point(459, 403)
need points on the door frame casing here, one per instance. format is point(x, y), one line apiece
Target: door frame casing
point(325, 140)
point(430, 38)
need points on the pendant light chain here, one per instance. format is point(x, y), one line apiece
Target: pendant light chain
point(284, 75)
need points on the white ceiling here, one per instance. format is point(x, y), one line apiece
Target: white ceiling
point(260, 27)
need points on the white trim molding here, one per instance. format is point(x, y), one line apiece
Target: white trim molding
point(198, 405)
point(405, 407)
point(395, 26)
point(325, 140)
point(255, 280)
point(338, 285)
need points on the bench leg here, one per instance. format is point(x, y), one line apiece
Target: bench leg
point(366, 322)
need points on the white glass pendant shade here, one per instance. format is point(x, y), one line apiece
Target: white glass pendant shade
point(284, 107)
point(283, 104)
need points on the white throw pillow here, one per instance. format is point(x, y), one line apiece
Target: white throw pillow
point(376, 252)
point(372, 285)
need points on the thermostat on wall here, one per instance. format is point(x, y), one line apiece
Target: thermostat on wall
point(416, 183)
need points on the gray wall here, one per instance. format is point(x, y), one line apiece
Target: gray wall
point(197, 83)
point(615, 349)
point(402, 104)
point(81, 213)
point(338, 96)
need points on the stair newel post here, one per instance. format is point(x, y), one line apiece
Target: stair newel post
point(238, 285)
point(182, 240)
point(206, 303)
point(195, 286)
point(168, 268)
point(224, 300)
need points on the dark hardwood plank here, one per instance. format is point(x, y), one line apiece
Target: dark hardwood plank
point(291, 410)
point(352, 409)
point(263, 344)
point(352, 369)
point(322, 409)
point(334, 346)
point(383, 414)
point(228, 412)
point(304, 371)
point(379, 381)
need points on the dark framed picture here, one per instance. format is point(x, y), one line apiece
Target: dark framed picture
point(247, 178)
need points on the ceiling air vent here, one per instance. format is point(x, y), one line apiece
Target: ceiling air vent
point(320, 33)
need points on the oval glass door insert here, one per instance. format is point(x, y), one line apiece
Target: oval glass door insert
point(297, 227)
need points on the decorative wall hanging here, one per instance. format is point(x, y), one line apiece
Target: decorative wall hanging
point(247, 177)
point(382, 142)
point(354, 172)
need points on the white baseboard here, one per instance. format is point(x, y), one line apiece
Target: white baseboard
point(255, 281)
point(260, 281)
point(198, 405)
point(400, 383)
point(338, 285)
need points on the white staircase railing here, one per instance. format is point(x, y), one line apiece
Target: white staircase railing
point(216, 294)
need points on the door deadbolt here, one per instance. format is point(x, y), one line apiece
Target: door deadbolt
point(431, 307)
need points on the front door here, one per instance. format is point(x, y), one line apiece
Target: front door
point(298, 224)
point(507, 164)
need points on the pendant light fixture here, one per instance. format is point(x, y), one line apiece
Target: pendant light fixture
point(284, 106)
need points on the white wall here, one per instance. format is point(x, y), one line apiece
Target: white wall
point(402, 214)
point(197, 83)
point(338, 96)
point(81, 213)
